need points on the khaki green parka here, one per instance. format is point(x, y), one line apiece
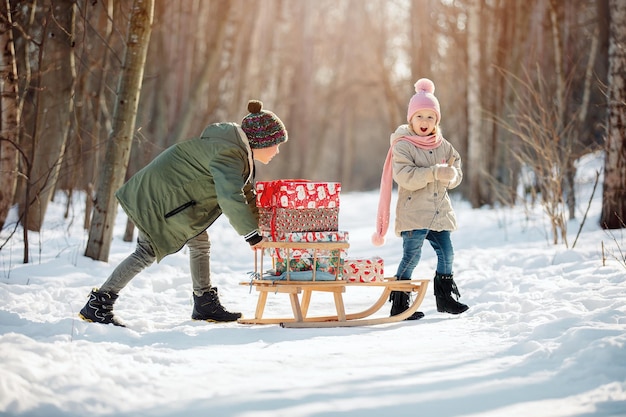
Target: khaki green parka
point(188, 186)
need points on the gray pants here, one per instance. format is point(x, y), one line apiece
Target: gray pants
point(199, 255)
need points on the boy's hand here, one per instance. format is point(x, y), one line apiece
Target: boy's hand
point(257, 246)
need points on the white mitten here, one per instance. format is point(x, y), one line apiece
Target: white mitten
point(445, 173)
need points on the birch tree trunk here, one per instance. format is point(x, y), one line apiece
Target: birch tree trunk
point(120, 140)
point(10, 115)
point(54, 106)
point(614, 193)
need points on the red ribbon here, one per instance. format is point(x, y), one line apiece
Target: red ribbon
point(269, 198)
point(271, 189)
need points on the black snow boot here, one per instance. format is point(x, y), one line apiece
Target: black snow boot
point(400, 302)
point(207, 307)
point(99, 308)
point(444, 287)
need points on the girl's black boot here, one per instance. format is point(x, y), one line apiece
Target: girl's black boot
point(400, 302)
point(444, 287)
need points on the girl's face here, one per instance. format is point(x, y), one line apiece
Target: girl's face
point(265, 155)
point(424, 122)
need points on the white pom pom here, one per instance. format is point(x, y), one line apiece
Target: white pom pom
point(377, 239)
point(425, 85)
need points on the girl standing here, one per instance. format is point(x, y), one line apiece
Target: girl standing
point(425, 166)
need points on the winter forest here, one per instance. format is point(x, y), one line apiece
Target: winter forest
point(533, 97)
point(93, 89)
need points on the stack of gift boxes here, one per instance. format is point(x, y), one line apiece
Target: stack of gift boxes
point(308, 211)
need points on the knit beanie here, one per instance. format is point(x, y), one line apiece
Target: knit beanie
point(263, 128)
point(424, 99)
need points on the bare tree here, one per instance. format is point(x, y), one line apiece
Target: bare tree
point(55, 88)
point(535, 123)
point(337, 72)
point(120, 140)
point(507, 25)
point(567, 109)
point(94, 116)
point(208, 70)
point(422, 39)
point(10, 116)
point(614, 193)
point(476, 152)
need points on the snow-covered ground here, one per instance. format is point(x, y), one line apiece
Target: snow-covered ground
point(545, 334)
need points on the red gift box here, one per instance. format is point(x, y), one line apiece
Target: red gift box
point(297, 194)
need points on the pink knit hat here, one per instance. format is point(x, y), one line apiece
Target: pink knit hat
point(424, 99)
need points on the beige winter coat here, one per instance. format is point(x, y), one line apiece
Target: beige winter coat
point(423, 203)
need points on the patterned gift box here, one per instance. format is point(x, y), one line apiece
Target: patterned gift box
point(363, 270)
point(280, 220)
point(329, 265)
point(297, 194)
point(297, 253)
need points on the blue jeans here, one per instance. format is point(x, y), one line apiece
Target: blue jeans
point(199, 263)
point(412, 241)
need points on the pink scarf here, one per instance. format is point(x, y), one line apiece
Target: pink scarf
point(386, 183)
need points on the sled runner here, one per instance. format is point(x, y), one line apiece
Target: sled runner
point(300, 292)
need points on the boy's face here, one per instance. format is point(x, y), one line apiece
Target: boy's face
point(424, 122)
point(265, 155)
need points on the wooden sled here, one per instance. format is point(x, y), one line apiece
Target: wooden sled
point(300, 294)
